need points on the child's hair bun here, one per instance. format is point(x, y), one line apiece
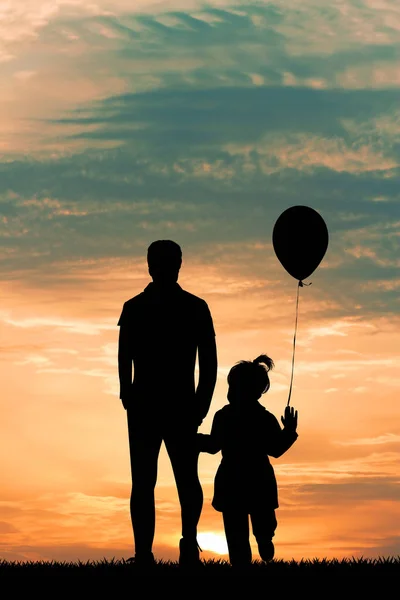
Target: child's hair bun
point(266, 360)
point(252, 374)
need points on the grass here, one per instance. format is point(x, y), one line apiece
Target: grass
point(354, 568)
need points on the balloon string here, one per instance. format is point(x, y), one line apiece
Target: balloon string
point(300, 284)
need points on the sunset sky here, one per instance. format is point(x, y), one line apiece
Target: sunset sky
point(123, 122)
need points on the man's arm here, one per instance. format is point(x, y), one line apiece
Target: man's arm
point(124, 366)
point(208, 365)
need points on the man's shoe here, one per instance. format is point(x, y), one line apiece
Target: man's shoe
point(189, 553)
point(143, 561)
point(266, 550)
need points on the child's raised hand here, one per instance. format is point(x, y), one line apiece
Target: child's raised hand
point(289, 421)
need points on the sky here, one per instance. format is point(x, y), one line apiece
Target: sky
point(125, 122)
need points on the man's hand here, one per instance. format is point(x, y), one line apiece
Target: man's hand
point(198, 417)
point(124, 366)
point(201, 409)
point(289, 421)
point(126, 397)
point(199, 421)
point(208, 365)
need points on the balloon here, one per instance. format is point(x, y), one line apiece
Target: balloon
point(300, 239)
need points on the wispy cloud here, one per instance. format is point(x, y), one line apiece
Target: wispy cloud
point(387, 438)
point(69, 326)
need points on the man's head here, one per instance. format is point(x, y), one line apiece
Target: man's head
point(164, 258)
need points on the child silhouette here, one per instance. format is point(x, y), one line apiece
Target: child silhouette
point(245, 483)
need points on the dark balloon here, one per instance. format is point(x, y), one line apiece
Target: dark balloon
point(300, 239)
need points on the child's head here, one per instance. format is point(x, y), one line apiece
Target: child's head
point(248, 380)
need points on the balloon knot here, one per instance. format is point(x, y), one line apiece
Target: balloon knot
point(301, 284)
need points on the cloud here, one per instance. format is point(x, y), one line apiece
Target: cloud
point(343, 366)
point(361, 491)
point(169, 118)
point(387, 438)
point(6, 528)
point(90, 527)
point(110, 47)
point(296, 45)
point(309, 153)
point(34, 359)
point(181, 162)
point(69, 326)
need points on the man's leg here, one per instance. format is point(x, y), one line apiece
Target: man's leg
point(144, 447)
point(264, 523)
point(236, 524)
point(182, 451)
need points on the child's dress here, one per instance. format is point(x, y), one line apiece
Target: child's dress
point(247, 436)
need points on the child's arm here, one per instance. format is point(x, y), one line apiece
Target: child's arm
point(211, 443)
point(282, 439)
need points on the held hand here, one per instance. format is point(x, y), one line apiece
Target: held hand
point(199, 439)
point(289, 421)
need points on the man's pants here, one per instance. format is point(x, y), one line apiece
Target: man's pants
point(146, 434)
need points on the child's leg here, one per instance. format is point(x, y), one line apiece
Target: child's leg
point(236, 524)
point(264, 524)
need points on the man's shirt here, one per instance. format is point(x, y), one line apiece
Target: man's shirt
point(164, 331)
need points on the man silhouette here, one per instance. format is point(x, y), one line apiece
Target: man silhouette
point(162, 331)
